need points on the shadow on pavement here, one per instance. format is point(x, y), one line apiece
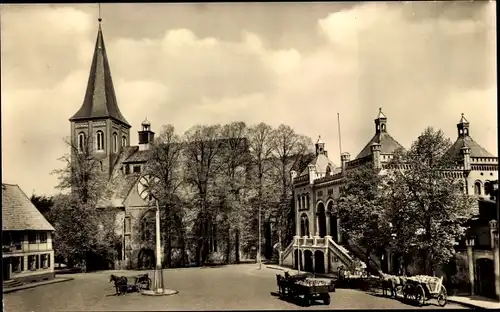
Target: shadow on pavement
point(406, 301)
point(297, 301)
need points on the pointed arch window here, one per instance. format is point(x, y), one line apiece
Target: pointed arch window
point(100, 140)
point(115, 142)
point(124, 141)
point(81, 142)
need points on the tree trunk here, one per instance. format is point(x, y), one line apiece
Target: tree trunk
point(228, 249)
point(237, 246)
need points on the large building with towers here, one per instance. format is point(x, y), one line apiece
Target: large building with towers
point(318, 242)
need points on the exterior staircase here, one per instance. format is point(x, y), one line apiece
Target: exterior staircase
point(373, 264)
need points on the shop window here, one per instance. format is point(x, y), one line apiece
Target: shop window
point(17, 264)
point(45, 260)
point(32, 262)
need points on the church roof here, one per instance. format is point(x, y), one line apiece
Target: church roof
point(387, 144)
point(476, 150)
point(100, 98)
point(120, 184)
point(19, 213)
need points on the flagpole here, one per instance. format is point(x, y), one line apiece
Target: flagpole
point(340, 137)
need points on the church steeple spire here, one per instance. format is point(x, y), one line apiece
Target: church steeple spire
point(100, 98)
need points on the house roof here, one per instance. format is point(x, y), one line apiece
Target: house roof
point(19, 213)
point(387, 144)
point(100, 98)
point(476, 150)
point(119, 185)
point(138, 156)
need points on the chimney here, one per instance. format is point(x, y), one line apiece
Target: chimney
point(146, 136)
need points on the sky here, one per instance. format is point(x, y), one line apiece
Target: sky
point(424, 63)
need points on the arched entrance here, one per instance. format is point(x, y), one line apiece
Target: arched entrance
point(308, 261)
point(334, 230)
point(321, 215)
point(304, 225)
point(485, 278)
point(298, 259)
point(146, 259)
point(319, 261)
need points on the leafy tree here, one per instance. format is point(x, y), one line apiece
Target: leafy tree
point(203, 145)
point(82, 231)
point(362, 210)
point(44, 204)
point(429, 198)
point(286, 146)
point(165, 163)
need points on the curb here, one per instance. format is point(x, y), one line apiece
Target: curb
point(28, 286)
point(469, 305)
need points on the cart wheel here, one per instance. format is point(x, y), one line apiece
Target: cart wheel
point(326, 301)
point(420, 295)
point(442, 297)
point(307, 302)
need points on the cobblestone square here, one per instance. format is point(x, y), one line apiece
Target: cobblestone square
point(227, 288)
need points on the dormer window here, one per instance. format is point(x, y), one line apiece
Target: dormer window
point(328, 170)
point(81, 142)
point(100, 140)
point(127, 169)
point(137, 169)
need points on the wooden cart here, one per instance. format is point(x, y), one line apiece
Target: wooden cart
point(424, 288)
point(305, 288)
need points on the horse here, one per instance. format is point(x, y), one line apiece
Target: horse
point(120, 284)
point(390, 284)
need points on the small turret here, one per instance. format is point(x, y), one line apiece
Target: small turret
point(466, 157)
point(463, 127)
point(146, 136)
point(376, 149)
point(293, 175)
point(320, 146)
point(344, 159)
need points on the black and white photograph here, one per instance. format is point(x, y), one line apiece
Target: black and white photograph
point(249, 156)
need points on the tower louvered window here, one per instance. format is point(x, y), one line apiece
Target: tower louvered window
point(124, 141)
point(115, 142)
point(100, 140)
point(81, 141)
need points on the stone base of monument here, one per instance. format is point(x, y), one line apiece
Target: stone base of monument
point(158, 289)
point(163, 292)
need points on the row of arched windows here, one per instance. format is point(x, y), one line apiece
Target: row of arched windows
point(303, 201)
point(82, 140)
point(478, 186)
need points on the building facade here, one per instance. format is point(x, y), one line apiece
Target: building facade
point(27, 253)
point(318, 243)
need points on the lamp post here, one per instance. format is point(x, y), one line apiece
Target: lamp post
point(470, 243)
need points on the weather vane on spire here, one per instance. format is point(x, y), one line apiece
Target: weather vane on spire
point(99, 19)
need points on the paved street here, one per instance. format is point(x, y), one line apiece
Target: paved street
point(232, 287)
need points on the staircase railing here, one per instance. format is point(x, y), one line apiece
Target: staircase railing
point(336, 248)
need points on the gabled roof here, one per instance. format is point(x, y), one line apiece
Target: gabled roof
point(476, 150)
point(387, 144)
point(119, 185)
point(100, 98)
point(19, 213)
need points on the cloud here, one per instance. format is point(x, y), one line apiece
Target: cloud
point(403, 57)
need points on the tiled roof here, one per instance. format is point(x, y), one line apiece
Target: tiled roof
point(321, 162)
point(138, 156)
point(18, 213)
point(100, 98)
point(387, 142)
point(476, 150)
point(120, 184)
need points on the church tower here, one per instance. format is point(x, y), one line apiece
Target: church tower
point(99, 121)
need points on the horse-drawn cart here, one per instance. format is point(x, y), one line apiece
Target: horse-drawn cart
point(423, 288)
point(305, 288)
